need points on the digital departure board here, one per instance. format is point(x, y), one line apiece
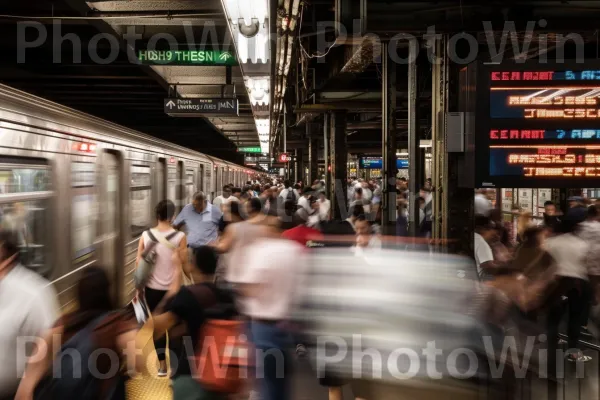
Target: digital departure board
point(537, 125)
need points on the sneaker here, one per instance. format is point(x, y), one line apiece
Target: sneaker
point(162, 373)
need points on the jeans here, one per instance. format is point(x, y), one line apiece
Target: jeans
point(273, 360)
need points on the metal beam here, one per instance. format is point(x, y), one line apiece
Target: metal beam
point(340, 106)
point(414, 150)
point(388, 142)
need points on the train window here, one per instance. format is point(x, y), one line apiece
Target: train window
point(24, 199)
point(83, 208)
point(140, 200)
point(17, 179)
point(190, 187)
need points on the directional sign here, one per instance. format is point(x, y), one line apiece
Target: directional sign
point(249, 150)
point(199, 107)
point(186, 57)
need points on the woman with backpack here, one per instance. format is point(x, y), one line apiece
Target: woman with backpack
point(94, 327)
point(164, 277)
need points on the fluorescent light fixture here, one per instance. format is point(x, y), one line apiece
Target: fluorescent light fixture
point(244, 11)
point(402, 154)
point(425, 143)
point(259, 89)
point(262, 126)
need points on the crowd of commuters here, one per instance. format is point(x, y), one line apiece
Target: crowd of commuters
point(242, 257)
point(547, 267)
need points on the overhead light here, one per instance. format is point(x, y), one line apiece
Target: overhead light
point(243, 12)
point(402, 154)
point(259, 89)
point(425, 143)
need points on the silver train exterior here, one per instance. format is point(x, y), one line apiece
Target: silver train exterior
point(80, 190)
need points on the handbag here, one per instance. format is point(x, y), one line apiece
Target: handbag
point(147, 385)
point(147, 262)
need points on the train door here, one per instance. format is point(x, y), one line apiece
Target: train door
point(190, 184)
point(110, 217)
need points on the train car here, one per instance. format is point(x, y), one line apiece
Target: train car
point(79, 191)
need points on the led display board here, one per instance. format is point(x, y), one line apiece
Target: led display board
point(377, 163)
point(537, 125)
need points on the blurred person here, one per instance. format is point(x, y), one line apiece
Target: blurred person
point(201, 219)
point(499, 225)
point(569, 252)
point(231, 215)
point(222, 200)
point(111, 330)
point(324, 207)
point(551, 217)
point(192, 305)
point(289, 193)
point(287, 216)
point(166, 277)
point(303, 201)
point(236, 192)
point(535, 267)
point(257, 190)
point(483, 205)
point(310, 213)
point(270, 285)
point(29, 308)
point(303, 232)
point(577, 209)
point(427, 226)
point(402, 220)
point(355, 211)
point(365, 237)
point(590, 232)
point(486, 265)
point(360, 199)
point(238, 238)
point(524, 222)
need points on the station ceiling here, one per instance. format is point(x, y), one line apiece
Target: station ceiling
point(132, 95)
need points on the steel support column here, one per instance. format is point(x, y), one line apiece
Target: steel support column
point(313, 155)
point(414, 151)
point(296, 176)
point(300, 165)
point(388, 141)
point(339, 164)
point(439, 108)
point(326, 156)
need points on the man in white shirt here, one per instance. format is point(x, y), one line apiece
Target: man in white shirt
point(28, 308)
point(287, 188)
point(271, 286)
point(224, 199)
point(484, 256)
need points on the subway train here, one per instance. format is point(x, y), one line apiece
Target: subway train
point(79, 191)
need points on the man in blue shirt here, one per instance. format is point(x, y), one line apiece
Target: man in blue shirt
point(201, 220)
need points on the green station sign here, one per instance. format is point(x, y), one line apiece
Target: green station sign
point(249, 150)
point(186, 57)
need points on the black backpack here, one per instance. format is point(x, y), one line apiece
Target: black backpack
point(291, 196)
